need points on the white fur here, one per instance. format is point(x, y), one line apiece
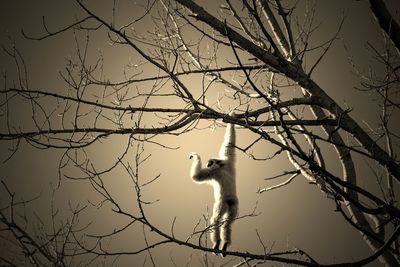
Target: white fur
point(221, 175)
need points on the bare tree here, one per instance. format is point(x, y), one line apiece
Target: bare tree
point(189, 64)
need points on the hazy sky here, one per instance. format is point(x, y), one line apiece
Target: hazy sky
point(298, 215)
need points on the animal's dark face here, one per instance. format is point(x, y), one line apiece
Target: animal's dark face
point(214, 163)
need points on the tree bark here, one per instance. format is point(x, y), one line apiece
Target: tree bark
point(386, 21)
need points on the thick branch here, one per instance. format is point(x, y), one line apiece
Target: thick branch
point(276, 29)
point(157, 130)
point(386, 21)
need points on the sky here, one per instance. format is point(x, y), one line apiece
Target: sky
point(296, 216)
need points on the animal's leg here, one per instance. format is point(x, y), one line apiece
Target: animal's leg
point(216, 221)
point(230, 215)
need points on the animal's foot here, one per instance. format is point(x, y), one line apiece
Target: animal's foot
point(224, 247)
point(216, 246)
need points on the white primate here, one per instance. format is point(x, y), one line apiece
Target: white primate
point(220, 173)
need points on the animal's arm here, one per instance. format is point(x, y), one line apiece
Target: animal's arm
point(227, 150)
point(196, 172)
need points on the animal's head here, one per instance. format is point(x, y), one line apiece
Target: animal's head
point(215, 163)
